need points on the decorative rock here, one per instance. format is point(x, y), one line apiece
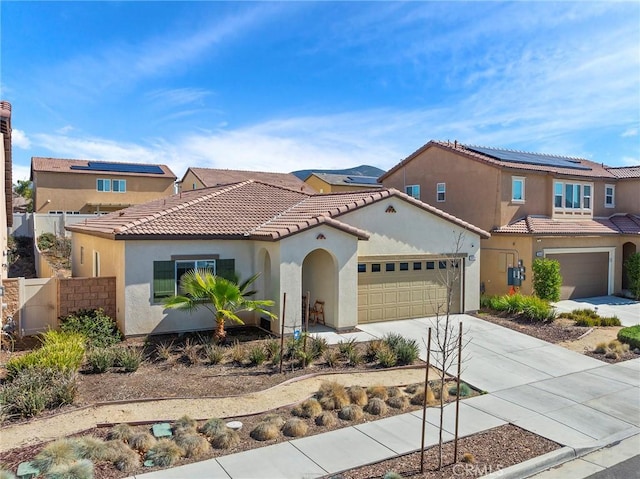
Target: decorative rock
point(162, 430)
point(26, 471)
point(235, 425)
point(148, 463)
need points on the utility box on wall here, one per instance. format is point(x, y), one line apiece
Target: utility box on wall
point(515, 276)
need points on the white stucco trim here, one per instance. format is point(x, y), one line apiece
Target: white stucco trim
point(612, 259)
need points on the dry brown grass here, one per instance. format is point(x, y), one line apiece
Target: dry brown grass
point(394, 391)
point(142, 441)
point(213, 427)
point(398, 402)
point(358, 395)
point(377, 407)
point(352, 412)
point(333, 395)
point(184, 425)
point(193, 445)
point(418, 396)
point(275, 419)
point(120, 431)
point(164, 453)
point(295, 427)
point(309, 408)
point(326, 418)
point(265, 431)
point(226, 439)
point(377, 391)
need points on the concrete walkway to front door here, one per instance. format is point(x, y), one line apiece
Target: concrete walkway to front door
point(627, 310)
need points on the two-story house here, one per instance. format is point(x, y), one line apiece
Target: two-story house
point(86, 187)
point(196, 178)
point(582, 213)
point(333, 183)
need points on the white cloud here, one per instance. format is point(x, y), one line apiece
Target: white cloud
point(178, 96)
point(630, 132)
point(20, 172)
point(19, 138)
point(630, 161)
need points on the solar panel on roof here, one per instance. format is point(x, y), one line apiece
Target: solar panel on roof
point(530, 158)
point(120, 168)
point(363, 180)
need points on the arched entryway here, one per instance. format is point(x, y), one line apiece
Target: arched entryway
point(627, 250)
point(264, 285)
point(320, 278)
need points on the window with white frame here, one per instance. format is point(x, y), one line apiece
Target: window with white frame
point(413, 191)
point(441, 192)
point(517, 189)
point(609, 196)
point(570, 196)
point(103, 184)
point(119, 186)
point(183, 266)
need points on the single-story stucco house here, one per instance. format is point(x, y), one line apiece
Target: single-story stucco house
point(369, 255)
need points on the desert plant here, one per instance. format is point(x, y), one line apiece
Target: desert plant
point(257, 355)
point(392, 340)
point(309, 408)
point(213, 353)
point(331, 357)
point(600, 348)
point(546, 279)
point(372, 349)
point(164, 350)
point(317, 346)
point(632, 265)
point(618, 346)
point(394, 391)
point(184, 425)
point(82, 469)
point(265, 431)
point(272, 347)
point(358, 395)
point(531, 308)
point(377, 407)
point(347, 347)
point(295, 427)
point(128, 358)
point(90, 447)
point(226, 439)
point(407, 351)
point(440, 390)
point(190, 351)
point(121, 432)
point(141, 441)
point(238, 353)
point(351, 412)
point(419, 396)
point(412, 388)
point(213, 427)
point(273, 418)
point(377, 391)
point(61, 451)
point(398, 402)
point(99, 360)
point(465, 390)
point(332, 395)
point(326, 419)
point(468, 458)
point(46, 241)
point(127, 460)
point(355, 357)
point(193, 445)
point(164, 453)
point(386, 357)
point(590, 318)
point(100, 330)
point(631, 336)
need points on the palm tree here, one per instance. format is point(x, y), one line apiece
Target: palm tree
point(224, 298)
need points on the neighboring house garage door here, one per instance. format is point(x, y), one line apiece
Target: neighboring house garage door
point(406, 288)
point(583, 274)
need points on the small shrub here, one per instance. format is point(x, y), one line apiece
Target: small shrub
point(531, 308)
point(265, 431)
point(238, 353)
point(600, 348)
point(213, 353)
point(331, 357)
point(128, 358)
point(378, 391)
point(377, 407)
point(326, 419)
point(164, 351)
point(468, 458)
point(257, 355)
point(398, 402)
point(61, 451)
point(386, 357)
point(226, 440)
point(273, 418)
point(347, 347)
point(440, 390)
point(358, 395)
point(272, 347)
point(372, 349)
point(89, 447)
point(630, 336)
point(46, 241)
point(213, 427)
point(317, 346)
point(184, 425)
point(546, 279)
point(190, 352)
point(418, 397)
point(82, 469)
point(309, 408)
point(393, 391)
point(632, 265)
point(121, 432)
point(142, 441)
point(99, 360)
point(333, 395)
point(355, 357)
point(407, 351)
point(164, 453)
point(100, 330)
point(193, 445)
point(295, 427)
point(127, 460)
point(465, 390)
point(351, 412)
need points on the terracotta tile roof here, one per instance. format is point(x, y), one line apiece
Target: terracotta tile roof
point(216, 177)
point(245, 210)
point(543, 225)
point(348, 180)
point(595, 170)
point(625, 171)
point(63, 165)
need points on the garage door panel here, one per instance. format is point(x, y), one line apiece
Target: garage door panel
point(583, 274)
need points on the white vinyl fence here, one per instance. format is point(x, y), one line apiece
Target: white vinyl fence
point(34, 224)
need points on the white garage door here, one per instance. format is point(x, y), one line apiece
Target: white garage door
point(407, 288)
point(584, 275)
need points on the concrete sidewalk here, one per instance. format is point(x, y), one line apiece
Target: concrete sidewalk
point(577, 401)
point(626, 310)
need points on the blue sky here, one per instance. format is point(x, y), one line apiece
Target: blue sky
point(295, 85)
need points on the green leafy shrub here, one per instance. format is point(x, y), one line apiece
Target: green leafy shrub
point(630, 336)
point(530, 308)
point(257, 355)
point(386, 357)
point(34, 390)
point(46, 241)
point(100, 330)
point(465, 390)
point(164, 453)
point(632, 265)
point(100, 360)
point(546, 279)
point(129, 358)
point(347, 347)
point(213, 353)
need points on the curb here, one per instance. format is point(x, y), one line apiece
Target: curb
point(535, 465)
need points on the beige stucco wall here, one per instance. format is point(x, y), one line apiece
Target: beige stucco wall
point(189, 181)
point(322, 186)
point(412, 231)
point(73, 191)
point(112, 263)
point(628, 196)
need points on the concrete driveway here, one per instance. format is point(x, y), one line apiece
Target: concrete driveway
point(627, 310)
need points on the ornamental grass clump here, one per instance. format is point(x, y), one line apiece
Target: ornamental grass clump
point(99, 360)
point(213, 427)
point(273, 418)
point(377, 391)
point(331, 357)
point(352, 412)
point(90, 447)
point(332, 395)
point(6, 474)
point(129, 358)
point(398, 402)
point(372, 349)
point(309, 408)
point(121, 432)
point(122, 457)
point(164, 453)
point(358, 395)
point(265, 431)
point(164, 351)
point(184, 425)
point(465, 390)
point(257, 355)
point(317, 346)
point(61, 451)
point(193, 445)
point(295, 427)
point(81, 469)
point(377, 407)
point(418, 396)
point(326, 419)
point(226, 439)
point(213, 353)
point(142, 441)
point(386, 356)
